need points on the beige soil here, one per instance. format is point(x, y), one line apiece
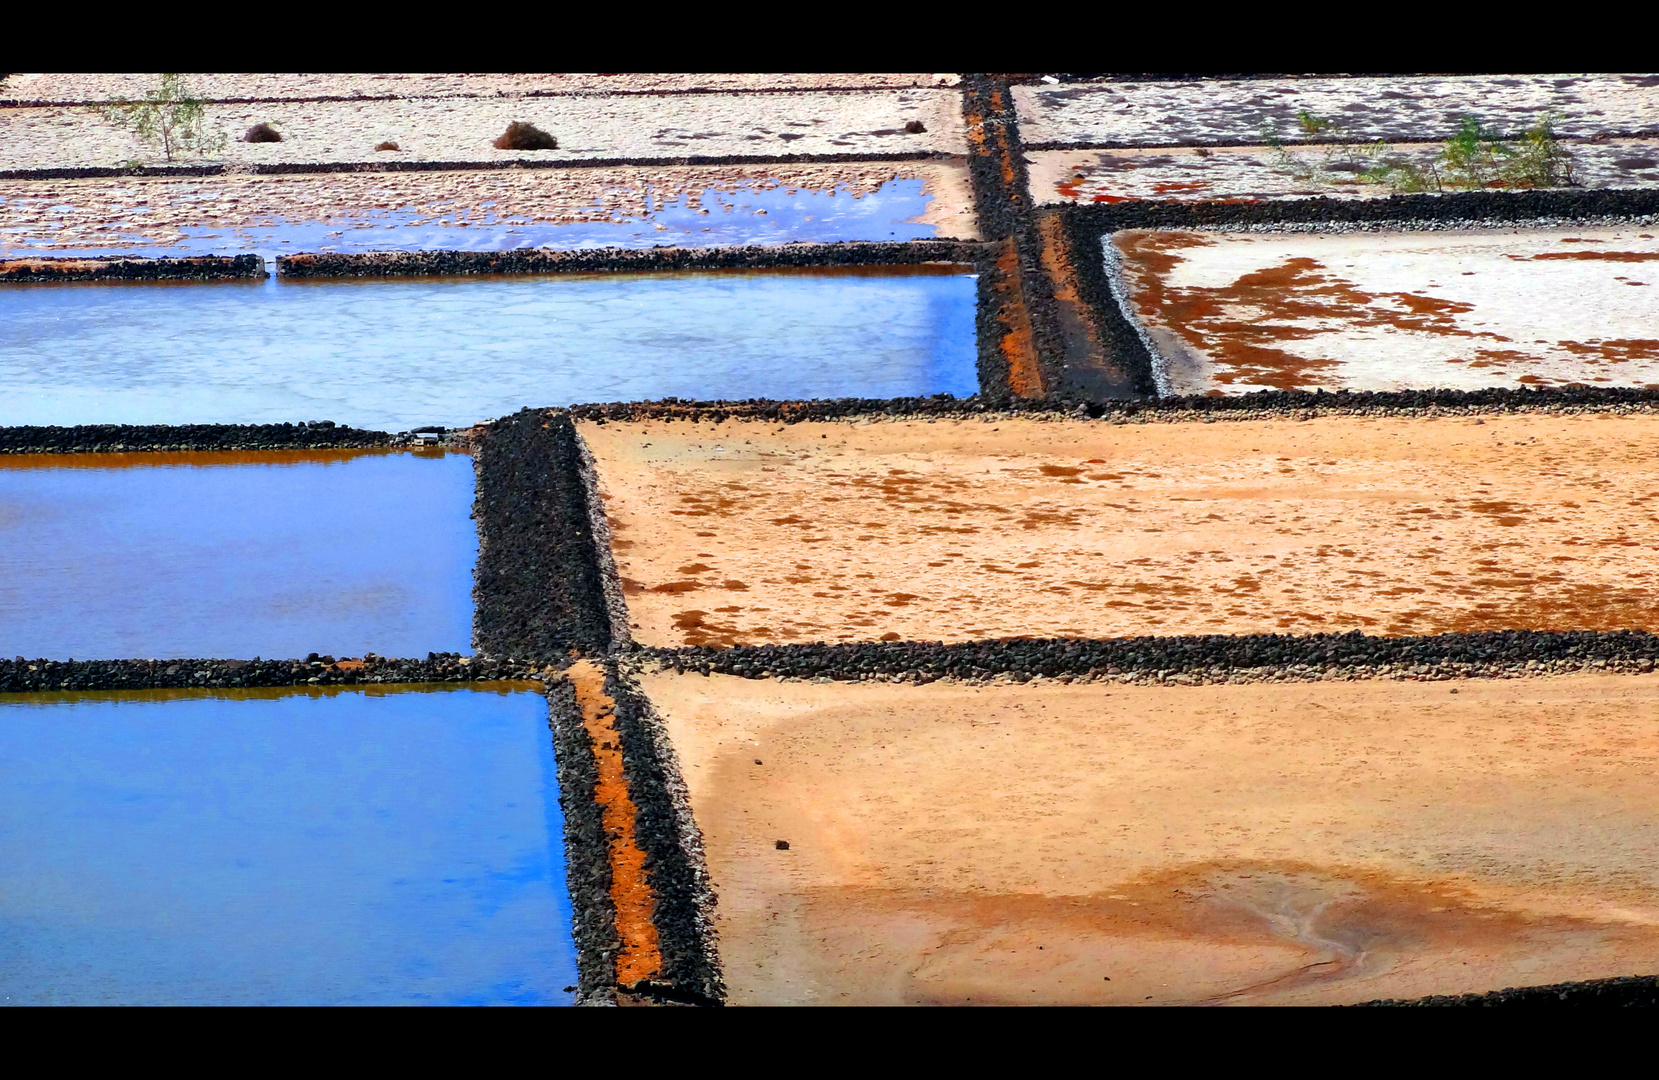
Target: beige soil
point(1300, 844)
point(103, 87)
point(958, 530)
point(152, 211)
point(629, 127)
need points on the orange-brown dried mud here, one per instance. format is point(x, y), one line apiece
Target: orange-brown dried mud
point(1312, 843)
point(745, 532)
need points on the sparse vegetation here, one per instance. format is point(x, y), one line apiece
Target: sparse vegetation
point(169, 115)
point(1473, 158)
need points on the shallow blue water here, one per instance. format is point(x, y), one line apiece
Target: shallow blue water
point(770, 215)
point(404, 353)
point(296, 849)
point(240, 555)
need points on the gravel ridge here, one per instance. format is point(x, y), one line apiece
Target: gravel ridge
point(135, 438)
point(1184, 660)
point(674, 862)
point(544, 261)
point(1622, 992)
point(537, 588)
point(50, 268)
point(21, 675)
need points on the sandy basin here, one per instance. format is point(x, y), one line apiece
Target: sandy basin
point(1252, 844)
point(960, 530)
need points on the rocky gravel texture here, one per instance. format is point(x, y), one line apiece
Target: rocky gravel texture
point(133, 438)
point(686, 128)
point(1216, 112)
point(542, 261)
point(538, 592)
point(1624, 992)
point(59, 89)
point(1188, 660)
point(22, 675)
point(190, 268)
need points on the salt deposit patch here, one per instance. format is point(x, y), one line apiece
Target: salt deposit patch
point(1235, 312)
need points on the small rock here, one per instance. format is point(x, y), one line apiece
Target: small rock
point(914, 127)
point(782, 845)
point(387, 145)
point(262, 132)
point(522, 136)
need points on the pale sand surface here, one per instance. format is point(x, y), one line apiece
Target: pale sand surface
point(643, 128)
point(102, 87)
point(144, 212)
point(1235, 312)
point(1389, 107)
point(1249, 844)
point(1184, 173)
point(960, 530)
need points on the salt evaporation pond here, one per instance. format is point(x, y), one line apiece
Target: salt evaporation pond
point(282, 848)
point(404, 353)
point(277, 555)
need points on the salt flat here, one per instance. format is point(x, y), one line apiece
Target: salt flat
point(1233, 312)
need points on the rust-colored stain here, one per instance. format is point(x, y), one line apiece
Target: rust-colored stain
point(1025, 378)
point(1603, 256)
point(639, 957)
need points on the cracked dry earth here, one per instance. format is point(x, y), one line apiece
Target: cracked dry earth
point(746, 532)
point(1235, 312)
point(1313, 843)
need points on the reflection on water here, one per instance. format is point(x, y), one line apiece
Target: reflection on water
point(295, 849)
point(403, 353)
point(753, 215)
point(340, 553)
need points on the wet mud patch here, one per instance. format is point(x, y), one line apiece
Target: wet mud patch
point(1289, 844)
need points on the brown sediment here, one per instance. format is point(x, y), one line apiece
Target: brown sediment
point(1395, 526)
point(1288, 844)
point(639, 958)
point(1602, 256)
point(1084, 366)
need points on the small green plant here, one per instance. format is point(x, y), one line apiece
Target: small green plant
point(1474, 157)
point(169, 115)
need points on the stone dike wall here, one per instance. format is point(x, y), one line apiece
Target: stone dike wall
point(41, 269)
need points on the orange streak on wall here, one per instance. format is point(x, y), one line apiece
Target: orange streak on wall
point(639, 956)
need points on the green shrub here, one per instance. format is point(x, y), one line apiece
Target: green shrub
point(168, 115)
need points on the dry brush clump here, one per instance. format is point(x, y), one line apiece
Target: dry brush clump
point(522, 136)
point(262, 133)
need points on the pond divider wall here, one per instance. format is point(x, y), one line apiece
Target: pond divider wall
point(538, 589)
point(25, 676)
point(173, 438)
point(1624, 992)
point(1199, 658)
point(47, 268)
point(626, 260)
point(640, 890)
